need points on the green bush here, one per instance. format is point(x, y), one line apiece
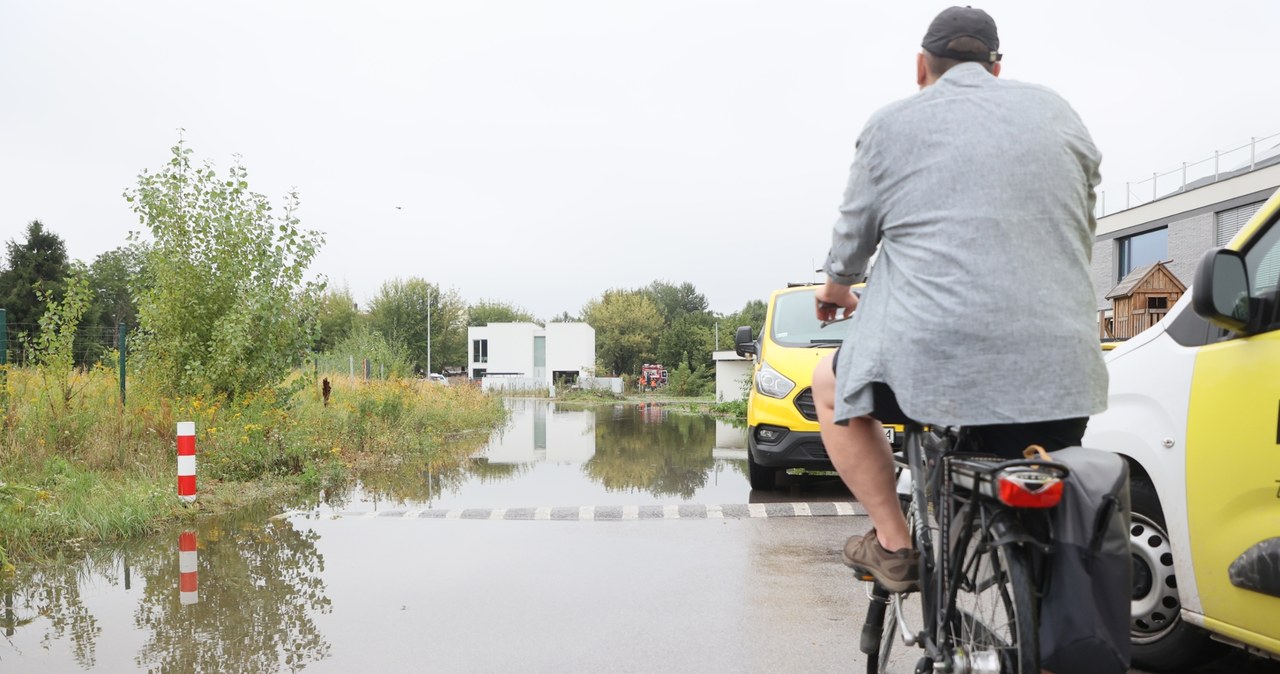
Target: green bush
point(222, 301)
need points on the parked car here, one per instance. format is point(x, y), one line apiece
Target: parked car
point(438, 379)
point(1193, 409)
point(782, 421)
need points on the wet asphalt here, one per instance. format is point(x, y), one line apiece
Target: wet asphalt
point(607, 539)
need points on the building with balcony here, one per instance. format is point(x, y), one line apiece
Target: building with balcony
point(1175, 228)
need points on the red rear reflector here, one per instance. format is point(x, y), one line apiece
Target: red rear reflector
point(1029, 489)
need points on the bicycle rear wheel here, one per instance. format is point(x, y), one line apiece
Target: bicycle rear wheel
point(992, 624)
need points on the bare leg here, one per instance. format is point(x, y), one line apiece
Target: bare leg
point(862, 456)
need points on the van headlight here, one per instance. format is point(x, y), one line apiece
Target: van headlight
point(771, 383)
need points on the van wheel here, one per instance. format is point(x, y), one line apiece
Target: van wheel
point(1161, 640)
point(761, 477)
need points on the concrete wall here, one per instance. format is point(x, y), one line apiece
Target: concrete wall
point(510, 347)
point(1188, 241)
point(1103, 271)
point(570, 347)
point(732, 371)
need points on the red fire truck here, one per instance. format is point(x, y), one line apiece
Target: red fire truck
point(652, 376)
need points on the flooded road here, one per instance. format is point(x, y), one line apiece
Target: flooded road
point(654, 556)
point(557, 454)
point(378, 579)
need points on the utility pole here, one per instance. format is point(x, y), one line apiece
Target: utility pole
point(429, 332)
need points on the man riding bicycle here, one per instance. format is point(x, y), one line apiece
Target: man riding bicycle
point(979, 194)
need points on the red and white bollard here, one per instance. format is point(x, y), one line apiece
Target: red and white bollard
point(187, 581)
point(187, 461)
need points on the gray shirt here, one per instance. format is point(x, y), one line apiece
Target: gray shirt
point(979, 193)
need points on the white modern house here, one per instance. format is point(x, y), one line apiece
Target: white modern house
point(529, 355)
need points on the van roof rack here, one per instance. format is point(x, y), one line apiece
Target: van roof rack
point(798, 284)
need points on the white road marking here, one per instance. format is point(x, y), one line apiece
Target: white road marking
point(629, 512)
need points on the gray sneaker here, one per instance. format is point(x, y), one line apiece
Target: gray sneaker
point(897, 571)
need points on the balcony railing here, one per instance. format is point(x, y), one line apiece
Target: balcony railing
point(1222, 165)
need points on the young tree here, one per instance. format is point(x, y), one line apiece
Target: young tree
point(685, 341)
point(676, 301)
point(627, 326)
point(565, 317)
point(224, 304)
point(400, 311)
point(110, 277)
point(751, 314)
point(485, 312)
point(54, 346)
point(336, 317)
point(39, 261)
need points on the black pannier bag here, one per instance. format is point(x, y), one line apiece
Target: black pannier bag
point(1087, 583)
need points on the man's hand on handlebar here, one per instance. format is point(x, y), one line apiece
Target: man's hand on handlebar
point(832, 299)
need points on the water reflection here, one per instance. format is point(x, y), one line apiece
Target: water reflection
point(654, 450)
point(552, 453)
point(260, 589)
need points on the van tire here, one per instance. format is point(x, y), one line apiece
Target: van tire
point(761, 477)
point(1178, 645)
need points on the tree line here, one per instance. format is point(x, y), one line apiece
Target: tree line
point(218, 297)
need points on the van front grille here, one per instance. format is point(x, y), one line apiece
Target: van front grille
point(804, 403)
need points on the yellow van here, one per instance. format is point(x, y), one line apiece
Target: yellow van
point(782, 421)
point(1194, 407)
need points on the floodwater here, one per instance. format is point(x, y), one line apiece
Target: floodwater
point(255, 592)
point(556, 454)
point(662, 560)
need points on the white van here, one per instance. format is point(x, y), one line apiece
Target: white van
point(1194, 406)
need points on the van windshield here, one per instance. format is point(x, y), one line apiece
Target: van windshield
point(795, 322)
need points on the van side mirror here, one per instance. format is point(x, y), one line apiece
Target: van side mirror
point(743, 343)
point(1220, 293)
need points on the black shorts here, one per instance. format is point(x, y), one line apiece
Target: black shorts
point(1006, 440)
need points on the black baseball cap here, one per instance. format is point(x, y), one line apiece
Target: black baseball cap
point(954, 22)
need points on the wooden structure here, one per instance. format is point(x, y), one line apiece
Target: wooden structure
point(1141, 299)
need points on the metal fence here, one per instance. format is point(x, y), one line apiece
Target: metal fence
point(1221, 165)
point(93, 343)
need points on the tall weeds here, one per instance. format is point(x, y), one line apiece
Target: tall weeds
point(88, 468)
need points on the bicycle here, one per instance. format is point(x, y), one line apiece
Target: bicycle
point(978, 584)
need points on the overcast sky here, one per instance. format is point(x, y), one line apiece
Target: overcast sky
point(541, 152)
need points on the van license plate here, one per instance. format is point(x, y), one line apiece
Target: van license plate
point(888, 434)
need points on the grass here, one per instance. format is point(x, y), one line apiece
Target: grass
point(80, 470)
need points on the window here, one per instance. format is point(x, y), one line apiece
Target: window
point(1142, 249)
point(1227, 223)
point(1263, 262)
point(1157, 302)
point(480, 351)
point(796, 324)
point(478, 373)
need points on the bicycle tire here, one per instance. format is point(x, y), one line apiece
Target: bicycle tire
point(993, 612)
